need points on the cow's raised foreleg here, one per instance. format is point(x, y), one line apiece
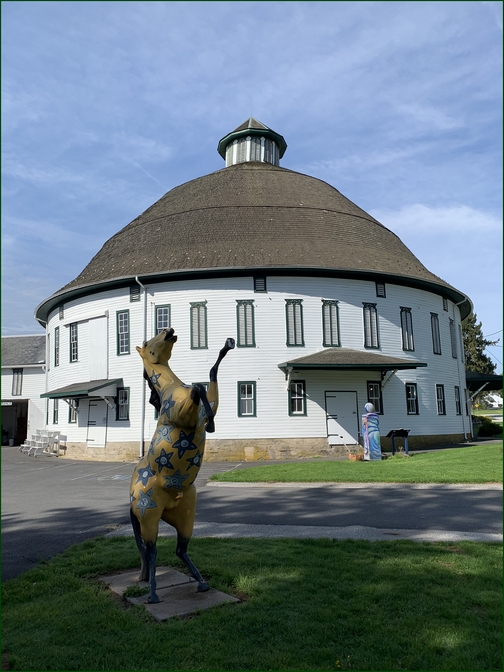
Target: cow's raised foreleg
point(229, 345)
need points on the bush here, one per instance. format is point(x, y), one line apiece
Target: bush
point(489, 428)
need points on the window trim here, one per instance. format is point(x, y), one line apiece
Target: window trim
point(73, 326)
point(119, 334)
point(303, 412)
point(241, 330)
point(408, 339)
point(442, 399)
point(17, 382)
point(163, 306)
point(119, 405)
point(288, 304)
point(436, 334)
point(330, 304)
point(55, 411)
point(200, 305)
point(254, 398)
point(413, 386)
point(372, 312)
point(372, 400)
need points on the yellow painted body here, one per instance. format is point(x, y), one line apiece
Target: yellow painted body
point(162, 486)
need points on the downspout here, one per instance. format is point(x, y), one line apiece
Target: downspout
point(459, 362)
point(142, 418)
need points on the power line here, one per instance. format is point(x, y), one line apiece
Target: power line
point(495, 332)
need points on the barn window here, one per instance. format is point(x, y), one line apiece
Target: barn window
point(330, 323)
point(370, 326)
point(199, 325)
point(55, 411)
point(122, 407)
point(374, 396)
point(407, 329)
point(73, 410)
point(245, 324)
point(436, 338)
point(440, 400)
point(453, 339)
point(445, 303)
point(74, 343)
point(411, 399)
point(380, 289)
point(297, 397)
point(56, 346)
point(163, 318)
point(123, 333)
point(458, 405)
point(294, 320)
point(246, 399)
point(17, 382)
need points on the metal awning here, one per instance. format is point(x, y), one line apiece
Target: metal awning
point(347, 359)
point(477, 381)
point(92, 388)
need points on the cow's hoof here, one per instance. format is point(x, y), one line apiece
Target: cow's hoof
point(210, 426)
point(230, 343)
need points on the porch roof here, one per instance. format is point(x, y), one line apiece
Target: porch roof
point(487, 381)
point(345, 358)
point(83, 389)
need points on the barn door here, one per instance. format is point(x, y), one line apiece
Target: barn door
point(97, 424)
point(342, 418)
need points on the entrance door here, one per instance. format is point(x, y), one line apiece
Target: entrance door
point(342, 419)
point(97, 424)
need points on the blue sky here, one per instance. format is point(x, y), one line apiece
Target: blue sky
point(106, 106)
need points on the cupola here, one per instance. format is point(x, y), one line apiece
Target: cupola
point(252, 141)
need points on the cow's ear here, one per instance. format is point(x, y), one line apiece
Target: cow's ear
point(139, 350)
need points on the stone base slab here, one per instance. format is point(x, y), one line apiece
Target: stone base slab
point(177, 592)
point(253, 450)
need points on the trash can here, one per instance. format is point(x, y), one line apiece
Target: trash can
point(11, 442)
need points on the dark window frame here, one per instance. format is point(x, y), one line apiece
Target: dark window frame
point(245, 318)
point(119, 333)
point(436, 334)
point(294, 323)
point(440, 400)
point(295, 397)
point(74, 342)
point(123, 405)
point(241, 414)
point(372, 399)
point(198, 312)
point(408, 339)
point(411, 400)
point(17, 382)
point(332, 308)
point(370, 320)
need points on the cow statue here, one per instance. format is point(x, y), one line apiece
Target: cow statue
point(162, 485)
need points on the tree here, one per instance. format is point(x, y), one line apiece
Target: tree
point(474, 346)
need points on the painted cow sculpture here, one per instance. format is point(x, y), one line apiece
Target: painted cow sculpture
point(162, 485)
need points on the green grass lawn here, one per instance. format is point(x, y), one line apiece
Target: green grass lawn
point(306, 605)
point(474, 464)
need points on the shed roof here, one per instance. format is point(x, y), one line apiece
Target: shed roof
point(18, 351)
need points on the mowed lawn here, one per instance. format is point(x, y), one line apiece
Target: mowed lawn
point(315, 604)
point(473, 464)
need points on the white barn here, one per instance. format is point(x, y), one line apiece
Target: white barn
point(328, 307)
point(23, 381)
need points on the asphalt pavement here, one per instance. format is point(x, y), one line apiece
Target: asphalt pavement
point(49, 503)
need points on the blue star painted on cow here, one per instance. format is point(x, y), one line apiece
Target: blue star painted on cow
point(164, 460)
point(154, 378)
point(132, 498)
point(145, 502)
point(167, 405)
point(176, 480)
point(184, 443)
point(164, 434)
point(195, 461)
point(144, 473)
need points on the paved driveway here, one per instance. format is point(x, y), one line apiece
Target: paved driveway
point(48, 504)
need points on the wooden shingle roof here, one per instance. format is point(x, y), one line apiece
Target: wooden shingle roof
point(253, 216)
point(19, 351)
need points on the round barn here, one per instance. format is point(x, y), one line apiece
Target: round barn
point(329, 309)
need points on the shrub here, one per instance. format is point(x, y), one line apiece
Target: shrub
point(489, 428)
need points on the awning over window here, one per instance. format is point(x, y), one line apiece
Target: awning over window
point(344, 358)
point(93, 388)
point(477, 381)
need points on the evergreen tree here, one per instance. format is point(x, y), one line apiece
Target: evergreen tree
point(474, 346)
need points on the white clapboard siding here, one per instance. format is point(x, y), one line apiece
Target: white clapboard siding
point(260, 363)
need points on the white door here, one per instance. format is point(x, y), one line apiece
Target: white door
point(342, 418)
point(97, 424)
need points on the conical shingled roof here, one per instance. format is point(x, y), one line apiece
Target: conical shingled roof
point(253, 216)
